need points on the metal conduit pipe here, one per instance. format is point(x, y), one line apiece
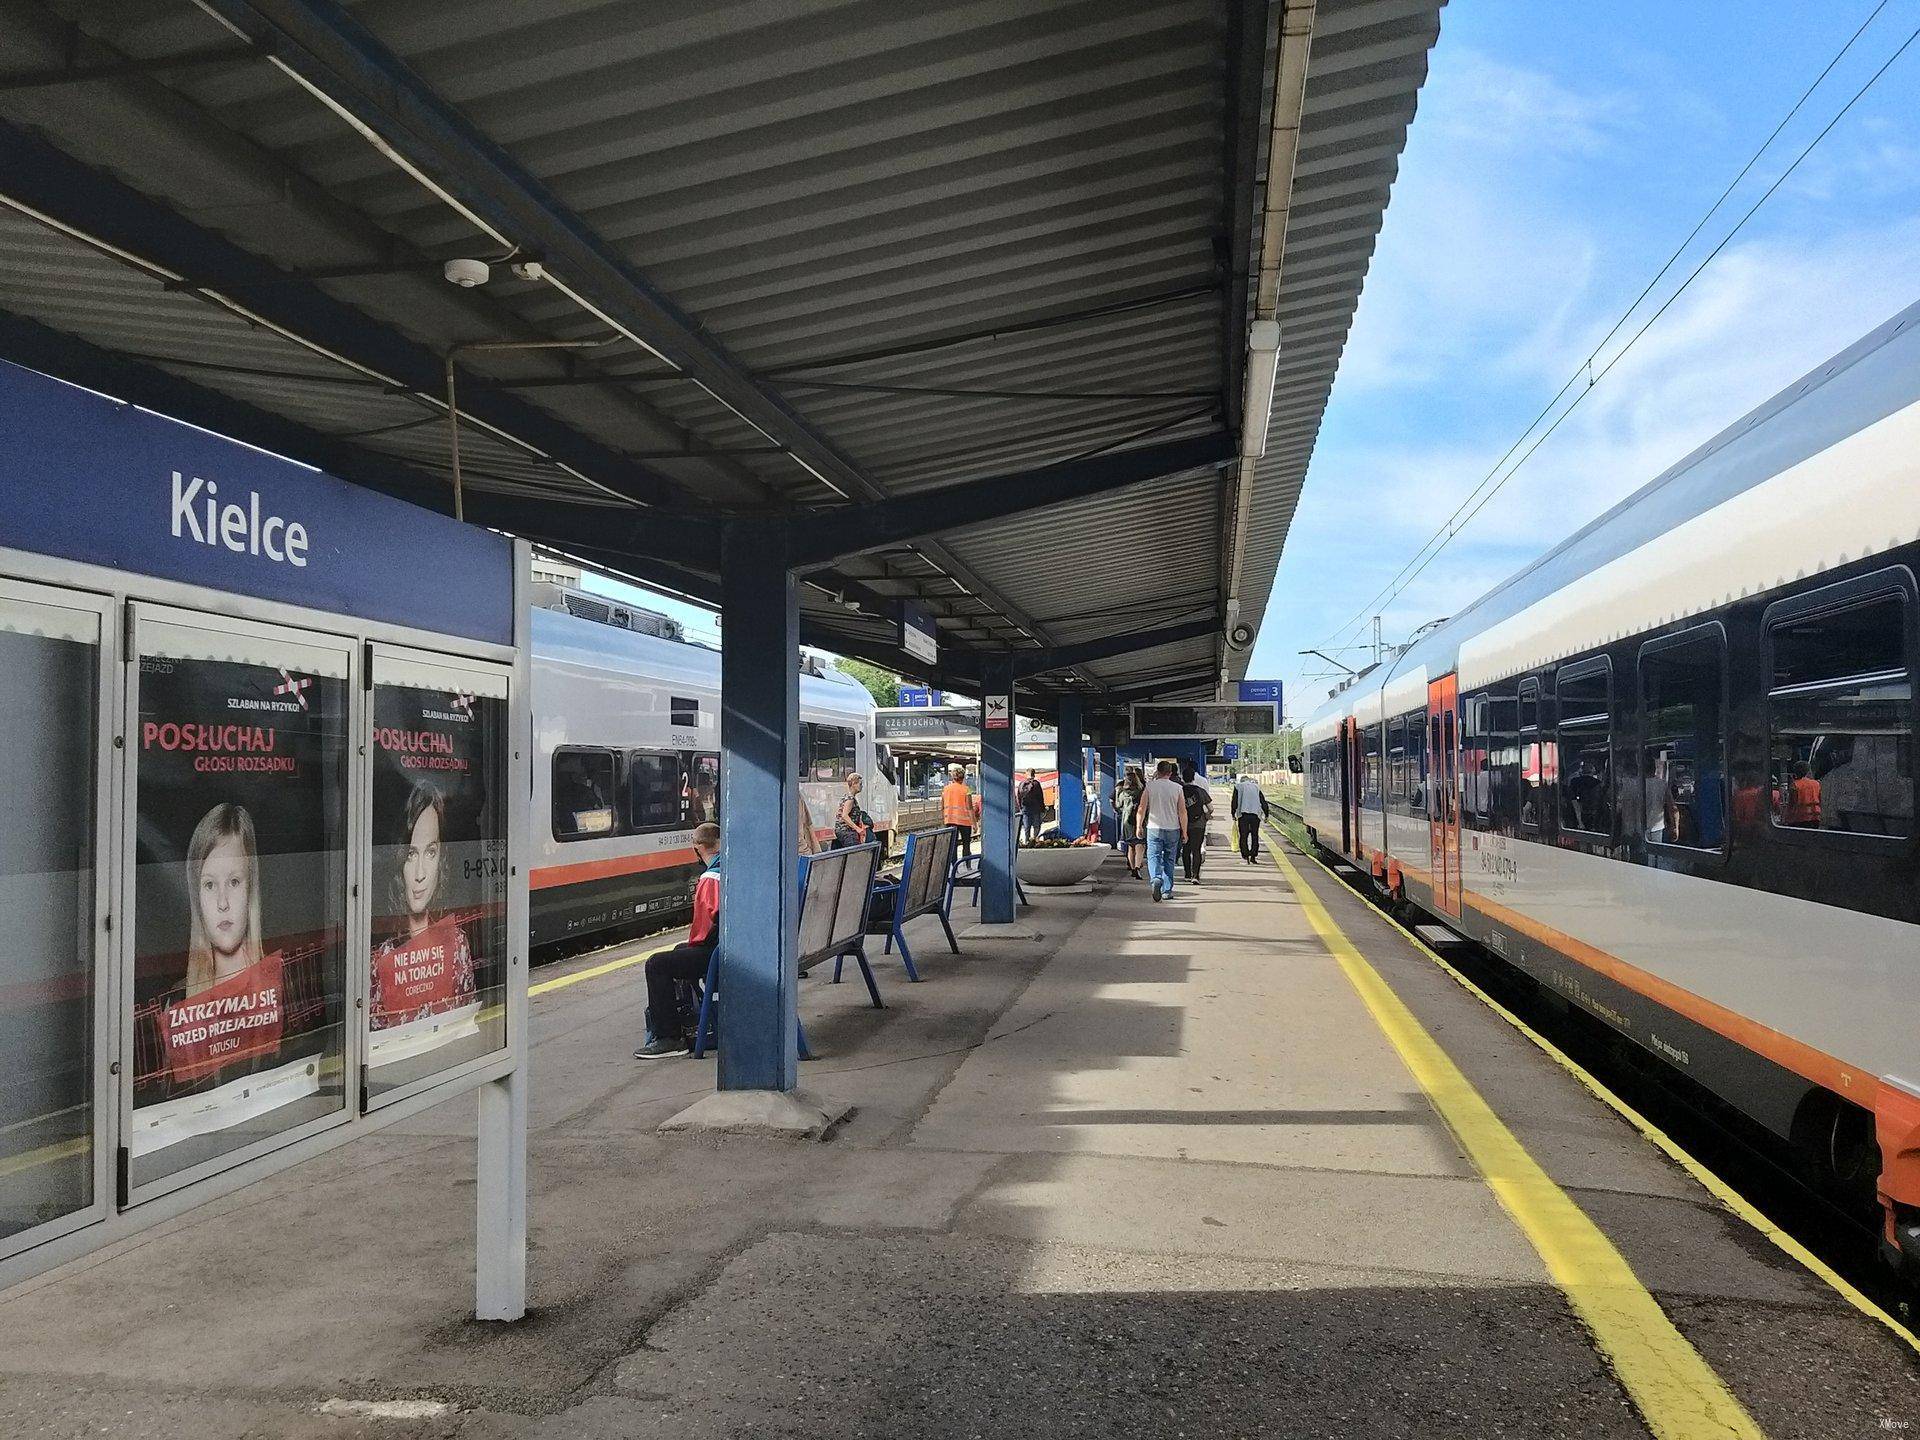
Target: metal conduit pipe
point(1263, 334)
point(473, 347)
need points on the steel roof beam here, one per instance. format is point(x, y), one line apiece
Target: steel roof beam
point(341, 61)
point(100, 209)
point(1028, 663)
point(338, 59)
point(821, 536)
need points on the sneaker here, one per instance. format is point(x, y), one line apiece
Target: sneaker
point(663, 1050)
point(1156, 894)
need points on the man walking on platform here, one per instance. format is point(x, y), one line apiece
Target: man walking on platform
point(1163, 824)
point(1033, 807)
point(1249, 809)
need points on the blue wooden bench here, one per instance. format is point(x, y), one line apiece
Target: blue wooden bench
point(836, 892)
point(925, 887)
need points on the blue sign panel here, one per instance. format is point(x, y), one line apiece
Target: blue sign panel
point(1230, 750)
point(921, 697)
point(919, 636)
point(87, 478)
point(1259, 692)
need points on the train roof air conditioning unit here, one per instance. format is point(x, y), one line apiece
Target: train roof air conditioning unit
point(602, 611)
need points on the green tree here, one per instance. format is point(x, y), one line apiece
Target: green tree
point(883, 685)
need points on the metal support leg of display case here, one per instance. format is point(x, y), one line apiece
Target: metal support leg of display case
point(500, 1239)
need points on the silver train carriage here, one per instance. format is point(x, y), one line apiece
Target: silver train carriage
point(1668, 771)
point(627, 762)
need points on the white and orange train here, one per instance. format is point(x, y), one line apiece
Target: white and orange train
point(1668, 770)
point(627, 762)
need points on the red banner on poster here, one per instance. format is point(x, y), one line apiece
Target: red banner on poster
point(423, 974)
point(235, 1020)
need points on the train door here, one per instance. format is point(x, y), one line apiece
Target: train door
point(1443, 790)
point(1350, 821)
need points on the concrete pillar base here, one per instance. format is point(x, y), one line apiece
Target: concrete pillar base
point(783, 1114)
point(1012, 930)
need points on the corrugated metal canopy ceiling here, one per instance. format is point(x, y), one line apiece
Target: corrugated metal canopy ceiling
point(953, 240)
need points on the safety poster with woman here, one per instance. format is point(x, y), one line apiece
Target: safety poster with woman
point(436, 984)
point(240, 894)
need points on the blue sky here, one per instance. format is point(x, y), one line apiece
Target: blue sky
point(1560, 153)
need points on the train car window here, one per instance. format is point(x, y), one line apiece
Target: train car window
point(1370, 767)
point(1320, 770)
point(682, 711)
point(1417, 763)
point(658, 787)
point(1536, 770)
point(584, 793)
point(1840, 717)
point(1683, 772)
point(1397, 761)
point(1491, 760)
point(827, 752)
point(1476, 783)
point(1583, 747)
point(703, 786)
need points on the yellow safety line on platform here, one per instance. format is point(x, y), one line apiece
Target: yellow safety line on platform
point(45, 1155)
point(1676, 1391)
point(1735, 1202)
point(594, 972)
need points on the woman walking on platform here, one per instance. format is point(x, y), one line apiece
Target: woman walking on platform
point(1126, 804)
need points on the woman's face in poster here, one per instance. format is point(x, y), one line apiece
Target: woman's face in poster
point(421, 870)
point(226, 881)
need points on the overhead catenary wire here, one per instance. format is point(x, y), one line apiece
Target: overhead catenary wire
point(1494, 481)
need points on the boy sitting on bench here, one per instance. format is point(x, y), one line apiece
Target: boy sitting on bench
point(668, 971)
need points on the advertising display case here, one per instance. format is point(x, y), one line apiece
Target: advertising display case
point(261, 818)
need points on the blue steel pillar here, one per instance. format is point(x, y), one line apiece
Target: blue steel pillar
point(1109, 781)
point(1070, 759)
point(759, 809)
point(996, 796)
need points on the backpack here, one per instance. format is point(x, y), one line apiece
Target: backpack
point(1198, 802)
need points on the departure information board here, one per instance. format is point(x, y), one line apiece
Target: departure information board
point(1203, 722)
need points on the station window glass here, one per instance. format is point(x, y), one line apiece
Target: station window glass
point(437, 969)
point(1840, 714)
point(584, 792)
point(1683, 725)
point(47, 778)
point(1584, 749)
point(657, 790)
point(240, 893)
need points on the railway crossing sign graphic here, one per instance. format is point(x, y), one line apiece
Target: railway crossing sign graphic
point(996, 711)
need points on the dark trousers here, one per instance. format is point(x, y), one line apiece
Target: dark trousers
point(665, 972)
point(1193, 851)
point(962, 839)
point(1030, 823)
point(1249, 837)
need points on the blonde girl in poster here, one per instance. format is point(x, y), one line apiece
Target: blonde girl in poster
point(231, 1010)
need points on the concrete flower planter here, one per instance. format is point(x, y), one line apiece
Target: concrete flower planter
point(1060, 866)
